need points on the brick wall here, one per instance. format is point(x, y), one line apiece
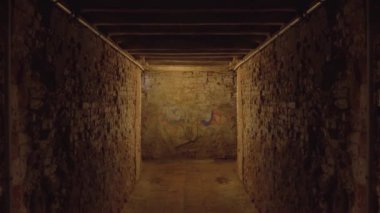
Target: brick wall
point(75, 114)
point(189, 114)
point(302, 106)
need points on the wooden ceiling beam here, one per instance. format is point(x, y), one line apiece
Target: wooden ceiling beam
point(147, 52)
point(115, 34)
point(181, 11)
point(189, 45)
point(189, 29)
point(190, 41)
point(215, 50)
point(181, 24)
point(181, 62)
point(191, 18)
point(188, 68)
point(185, 5)
point(230, 54)
point(190, 58)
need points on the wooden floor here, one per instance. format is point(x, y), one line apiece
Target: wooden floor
point(191, 186)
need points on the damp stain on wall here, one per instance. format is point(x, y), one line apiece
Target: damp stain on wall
point(189, 114)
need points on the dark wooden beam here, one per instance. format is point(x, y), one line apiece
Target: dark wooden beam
point(188, 68)
point(190, 58)
point(186, 44)
point(181, 24)
point(191, 18)
point(205, 54)
point(98, 11)
point(189, 42)
point(193, 4)
point(262, 35)
point(181, 62)
point(189, 53)
point(189, 29)
point(197, 51)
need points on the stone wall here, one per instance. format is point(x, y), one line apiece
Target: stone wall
point(3, 140)
point(376, 133)
point(375, 35)
point(189, 114)
point(75, 114)
point(302, 115)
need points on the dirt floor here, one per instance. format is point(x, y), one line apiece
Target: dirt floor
point(191, 186)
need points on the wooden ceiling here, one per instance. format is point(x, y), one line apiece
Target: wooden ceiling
point(188, 32)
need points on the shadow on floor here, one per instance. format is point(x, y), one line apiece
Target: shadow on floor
point(191, 186)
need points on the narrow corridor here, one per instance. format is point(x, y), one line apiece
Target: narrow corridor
point(178, 186)
point(214, 106)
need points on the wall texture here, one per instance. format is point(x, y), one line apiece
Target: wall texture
point(376, 173)
point(189, 114)
point(3, 70)
point(302, 115)
point(75, 115)
point(375, 35)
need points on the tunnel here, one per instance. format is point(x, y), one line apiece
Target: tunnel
point(228, 106)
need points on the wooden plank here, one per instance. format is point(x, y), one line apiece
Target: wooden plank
point(190, 18)
point(185, 45)
point(156, 11)
point(189, 29)
point(181, 24)
point(166, 50)
point(180, 62)
point(185, 5)
point(230, 54)
point(190, 58)
point(190, 68)
point(114, 34)
point(189, 43)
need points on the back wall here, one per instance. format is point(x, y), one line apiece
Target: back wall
point(189, 115)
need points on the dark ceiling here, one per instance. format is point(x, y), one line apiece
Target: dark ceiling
point(212, 32)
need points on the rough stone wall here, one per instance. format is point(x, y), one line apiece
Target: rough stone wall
point(303, 115)
point(137, 126)
point(375, 53)
point(189, 114)
point(376, 67)
point(75, 105)
point(3, 69)
point(239, 125)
